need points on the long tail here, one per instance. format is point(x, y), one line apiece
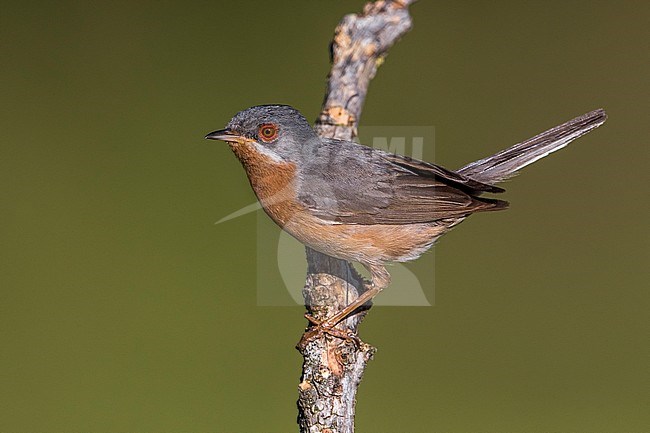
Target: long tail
point(506, 163)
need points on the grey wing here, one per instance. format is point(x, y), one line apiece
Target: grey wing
point(349, 183)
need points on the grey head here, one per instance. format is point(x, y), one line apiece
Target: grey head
point(279, 131)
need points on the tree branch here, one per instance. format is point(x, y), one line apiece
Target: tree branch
point(333, 367)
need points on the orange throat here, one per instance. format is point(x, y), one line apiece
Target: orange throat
point(272, 180)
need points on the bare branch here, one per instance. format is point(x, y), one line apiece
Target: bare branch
point(333, 367)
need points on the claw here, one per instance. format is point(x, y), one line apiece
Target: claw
point(325, 327)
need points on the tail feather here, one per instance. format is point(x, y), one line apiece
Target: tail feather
point(508, 162)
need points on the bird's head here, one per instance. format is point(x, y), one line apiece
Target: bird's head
point(277, 131)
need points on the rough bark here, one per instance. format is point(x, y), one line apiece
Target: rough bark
point(333, 366)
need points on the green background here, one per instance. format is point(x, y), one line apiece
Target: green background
point(123, 308)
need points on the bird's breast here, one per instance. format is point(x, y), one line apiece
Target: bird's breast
point(272, 180)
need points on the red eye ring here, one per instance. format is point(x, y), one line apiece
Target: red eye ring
point(267, 132)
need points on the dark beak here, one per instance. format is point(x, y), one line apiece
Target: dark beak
point(223, 134)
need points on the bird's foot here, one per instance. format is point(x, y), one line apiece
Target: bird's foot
point(325, 327)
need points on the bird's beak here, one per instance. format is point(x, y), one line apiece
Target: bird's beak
point(223, 134)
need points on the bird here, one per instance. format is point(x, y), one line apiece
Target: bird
point(367, 205)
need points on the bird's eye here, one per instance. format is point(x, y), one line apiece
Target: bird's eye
point(268, 132)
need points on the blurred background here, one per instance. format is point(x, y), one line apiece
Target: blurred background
point(124, 308)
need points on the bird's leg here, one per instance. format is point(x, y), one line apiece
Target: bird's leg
point(319, 329)
point(379, 280)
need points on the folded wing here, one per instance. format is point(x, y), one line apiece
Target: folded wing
point(354, 184)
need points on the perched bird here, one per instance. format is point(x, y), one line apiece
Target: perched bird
point(366, 205)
